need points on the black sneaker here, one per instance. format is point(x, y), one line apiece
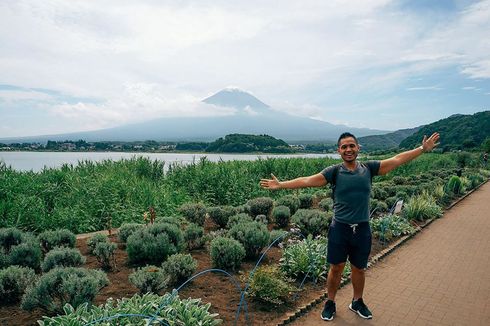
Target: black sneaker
point(329, 310)
point(361, 309)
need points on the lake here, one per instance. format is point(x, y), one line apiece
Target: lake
point(36, 161)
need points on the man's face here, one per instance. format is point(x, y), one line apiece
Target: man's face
point(348, 149)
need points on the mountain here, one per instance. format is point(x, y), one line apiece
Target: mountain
point(458, 131)
point(252, 117)
point(386, 141)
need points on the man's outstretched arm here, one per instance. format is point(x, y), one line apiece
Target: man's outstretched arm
point(316, 180)
point(392, 163)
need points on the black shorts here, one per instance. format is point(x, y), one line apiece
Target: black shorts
point(345, 242)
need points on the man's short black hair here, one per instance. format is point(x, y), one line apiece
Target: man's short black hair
point(346, 135)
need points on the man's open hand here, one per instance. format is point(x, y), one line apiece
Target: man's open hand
point(429, 143)
point(271, 184)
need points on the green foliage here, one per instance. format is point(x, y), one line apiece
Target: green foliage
point(64, 285)
point(105, 253)
point(168, 309)
point(56, 238)
point(380, 206)
point(238, 218)
point(421, 208)
point(268, 285)
point(62, 257)
point(127, 229)
point(221, 214)
point(281, 215)
point(454, 185)
point(378, 192)
point(226, 253)
point(290, 201)
point(149, 279)
point(14, 281)
point(144, 246)
point(277, 234)
point(399, 180)
point(10, 237)
point(4, 259)
point(252, 235)
point(305, 200)
point(94, 240)
point(326, 204)
point(194, 212)
point(306, 257)
point(193, 235)
point(389, 226)
point(239, 143)
point(312, 221)
point(26, 254)
point(260, 205)
point(178, 268)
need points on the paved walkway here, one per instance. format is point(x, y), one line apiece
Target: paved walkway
point(439, 277)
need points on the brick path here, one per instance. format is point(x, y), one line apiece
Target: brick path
point(439, 277)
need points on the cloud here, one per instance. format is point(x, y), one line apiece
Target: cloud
point(23, 95)
point(424, 88)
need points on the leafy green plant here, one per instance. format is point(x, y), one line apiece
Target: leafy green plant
point(277, 234)
point(306, 257)
point(260, 205)
point(178, 268)
point(290, 201)
point(312, 221)
point(326, 204)
point(10, 237)
point(305, 201)
point(14, 281)
point(62, 257)
point(193, 235)
point(421, 208)
point(268, 285)
point(105, 253)
point(127, 229)
point(144, 247)
point(94, 240)
point(64, 285)
point(238, 218)
point(226, 253)
point(390, 226)
point(168, 309)
point(221, 214)
point(56, 238)
point(281, 215)
point(149, 279)
point(454, 185)
point(252, 235)
point(194, 212)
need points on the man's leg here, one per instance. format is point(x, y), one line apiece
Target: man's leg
point(358, 277)
point(333, 279)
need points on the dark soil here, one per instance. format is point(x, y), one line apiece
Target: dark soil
point(216, 289)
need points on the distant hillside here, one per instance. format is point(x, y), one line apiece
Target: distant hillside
point(459, 131)
point(387, 141)
point(240, 143)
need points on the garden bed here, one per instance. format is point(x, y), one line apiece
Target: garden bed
point(213, 288)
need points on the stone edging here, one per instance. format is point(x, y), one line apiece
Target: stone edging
point(379, 256)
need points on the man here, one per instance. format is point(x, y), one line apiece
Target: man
point(349, 235)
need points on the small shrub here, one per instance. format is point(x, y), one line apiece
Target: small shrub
point(261, 219)
point(378, 205)
point(421, 208)
point(94, 240)
point(401, 195)
point(290, 201)
point(60, 286)
point(14, 281)
point(260, 205)
point(57, 238)
point(194, 212)
point(4, 259)
point(176, 220)
point(175, 234)
point(226, 253)
point(104, 251)
point(178, 311)
point(26, 254)
point(278, 235)
point(178, 268)
point(127, 229)
point(252, 235)
point(10, 237)
point(281, 215)
point(390, 201)
point(305, 201)
point(62, 257)
point(398, 180)
point(306, 257)
point(268, 285)
point(220, 215)
point(193, 235)
point(326, 204)
point(378, 193)
point(238, 218)
point(312, 221)
point(144, 247)
point(149, 279)
point(388, 227)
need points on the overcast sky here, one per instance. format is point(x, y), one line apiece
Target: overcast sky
point(71, 65)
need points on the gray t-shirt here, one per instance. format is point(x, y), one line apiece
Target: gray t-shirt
point(352, 190)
